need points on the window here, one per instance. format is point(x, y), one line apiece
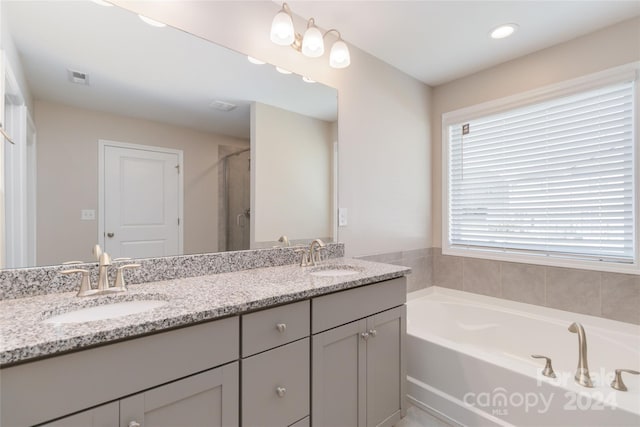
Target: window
point(549, 181)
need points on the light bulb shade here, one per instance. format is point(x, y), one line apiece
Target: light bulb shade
point(282, 29)
point(339, 56)
point(312, 43)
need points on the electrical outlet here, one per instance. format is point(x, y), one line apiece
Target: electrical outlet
point(88, 215)
point(342, 217)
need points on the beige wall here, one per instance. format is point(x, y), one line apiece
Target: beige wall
point(68, 177)
point(383, 126)
point(610, 47)
point(291, 169)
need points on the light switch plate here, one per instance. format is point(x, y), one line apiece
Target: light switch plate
point(88, 214)
point(342, 217)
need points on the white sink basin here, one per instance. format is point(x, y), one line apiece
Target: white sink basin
point(334, 271)
point(106, 311)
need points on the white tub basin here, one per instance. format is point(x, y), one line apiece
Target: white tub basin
point(106, 311)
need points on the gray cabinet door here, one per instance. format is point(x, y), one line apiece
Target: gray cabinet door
point(206, 399)
point(101, 416)
point(338, 377)
point(385, 367)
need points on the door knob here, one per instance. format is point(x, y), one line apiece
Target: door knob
point(110, 235)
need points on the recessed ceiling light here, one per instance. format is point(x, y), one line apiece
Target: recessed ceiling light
point(307, 79)
point(255, 61)
point(283, 71)
point(503, 31)
point(102, 3)
point(152, 22)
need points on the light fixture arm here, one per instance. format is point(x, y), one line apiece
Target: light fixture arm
point(333, 30)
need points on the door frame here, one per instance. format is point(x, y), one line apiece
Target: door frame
point(102, 144)
point(19, 226)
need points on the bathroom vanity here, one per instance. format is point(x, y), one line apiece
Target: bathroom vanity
point(277, 346)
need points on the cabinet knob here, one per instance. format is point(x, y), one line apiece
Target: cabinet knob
point(373, 333)
point(281, 391)
point(134, 424)
point(281, 327)
point(364, 335)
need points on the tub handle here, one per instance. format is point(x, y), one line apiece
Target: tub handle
point(548, 369)
point(617, 381)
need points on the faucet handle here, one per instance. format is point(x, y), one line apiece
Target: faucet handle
point(120, 285)
point(304, 257)
point(85, 281)
point(548, 369)
point(617, 381)
point(121, 259)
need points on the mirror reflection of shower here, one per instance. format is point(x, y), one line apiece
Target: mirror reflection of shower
point(234, 198)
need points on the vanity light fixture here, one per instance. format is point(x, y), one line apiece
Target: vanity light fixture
point(312, 43)
point(283, 71)
point(152, 22)
point(503, 31)
point(255, 61)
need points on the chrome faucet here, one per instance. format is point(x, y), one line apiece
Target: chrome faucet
point(104, 262)
point(284, 240)
point(582, 373)
point(103, 272)
point(312, 256)
point(314, 251)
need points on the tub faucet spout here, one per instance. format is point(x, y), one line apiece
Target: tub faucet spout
point(582, 372)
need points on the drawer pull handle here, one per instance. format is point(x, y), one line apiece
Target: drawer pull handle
point(134, 424)
point(281, 327)
point(373, 333)
point(281, 391)
point(365, 335)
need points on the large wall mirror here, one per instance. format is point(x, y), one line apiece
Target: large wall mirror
point(153, 142)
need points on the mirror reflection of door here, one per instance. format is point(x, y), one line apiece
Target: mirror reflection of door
point(235, 198)
point(142, 200)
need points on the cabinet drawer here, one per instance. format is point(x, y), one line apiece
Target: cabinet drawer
point(72, 382)
point(343, 307)
point(271, 328)
point(275, 386)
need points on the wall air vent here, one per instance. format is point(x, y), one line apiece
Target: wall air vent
point(78, 78)
point(223, 106)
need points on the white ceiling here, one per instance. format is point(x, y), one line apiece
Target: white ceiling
point(439, 41)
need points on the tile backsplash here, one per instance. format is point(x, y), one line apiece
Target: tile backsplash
point(611, 295)
point(420, 261)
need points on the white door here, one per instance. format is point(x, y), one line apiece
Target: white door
point(142, 201)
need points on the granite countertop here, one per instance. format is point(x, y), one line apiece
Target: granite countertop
point(24, 337)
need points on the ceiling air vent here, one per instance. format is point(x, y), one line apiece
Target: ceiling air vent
point(223, 106)
point(78, 78)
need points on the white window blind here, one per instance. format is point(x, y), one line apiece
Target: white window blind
point(553, 178)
